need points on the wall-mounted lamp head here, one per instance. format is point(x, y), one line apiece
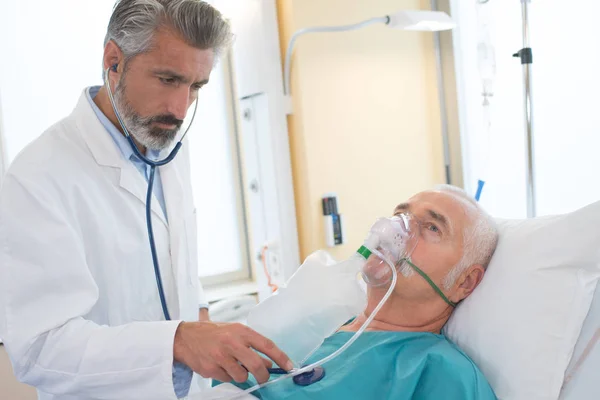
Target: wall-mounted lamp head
point(421, 21)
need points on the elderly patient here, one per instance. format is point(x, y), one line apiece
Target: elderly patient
point(403, 354)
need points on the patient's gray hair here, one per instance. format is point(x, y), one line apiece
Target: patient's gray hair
point(134, 22)
point(480, 237)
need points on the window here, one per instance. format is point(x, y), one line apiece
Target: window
point(565, 116)
point(217, 183)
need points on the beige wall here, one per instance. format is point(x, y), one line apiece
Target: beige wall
point(366, 121)
point(9, 387)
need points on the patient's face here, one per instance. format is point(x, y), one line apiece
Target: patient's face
point(440, 244)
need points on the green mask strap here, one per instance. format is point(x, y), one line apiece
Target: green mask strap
point(366, 253)
point(433, 285)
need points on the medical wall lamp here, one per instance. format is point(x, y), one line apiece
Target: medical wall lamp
point(408, 20)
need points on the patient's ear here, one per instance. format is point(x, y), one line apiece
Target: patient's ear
point(468, 282)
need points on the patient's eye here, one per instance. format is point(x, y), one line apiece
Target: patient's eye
point(432, 232)
point(433, 228)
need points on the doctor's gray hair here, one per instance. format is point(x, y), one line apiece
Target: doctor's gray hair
point(480, 237)
point(134, 22)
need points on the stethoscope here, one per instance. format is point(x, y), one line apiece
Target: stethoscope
point(153, 165)
point(304, 379)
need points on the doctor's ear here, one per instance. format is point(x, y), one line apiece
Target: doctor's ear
point(112, 56)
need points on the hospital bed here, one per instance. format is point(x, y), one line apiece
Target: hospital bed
point(533, 325)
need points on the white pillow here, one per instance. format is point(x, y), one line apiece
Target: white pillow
point(521, 324)
point(581, 381)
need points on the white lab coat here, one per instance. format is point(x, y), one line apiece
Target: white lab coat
point(80, 313)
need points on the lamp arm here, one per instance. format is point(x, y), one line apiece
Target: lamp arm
point(297, 34)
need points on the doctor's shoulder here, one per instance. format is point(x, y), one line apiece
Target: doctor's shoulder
point(54, 155)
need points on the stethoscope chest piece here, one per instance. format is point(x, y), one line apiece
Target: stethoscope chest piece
point(310, 377)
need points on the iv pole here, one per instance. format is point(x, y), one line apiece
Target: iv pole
point(526, 56)
point(442, 99)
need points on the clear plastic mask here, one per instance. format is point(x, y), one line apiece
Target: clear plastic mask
point(390, 240)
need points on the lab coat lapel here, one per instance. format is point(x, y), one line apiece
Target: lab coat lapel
point(107, 154)
point(132, 181)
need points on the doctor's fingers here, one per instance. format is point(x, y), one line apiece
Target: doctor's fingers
point(268, 348)
point(254, 363)
point(234, 369)
point(215, 372)
point(268, 363)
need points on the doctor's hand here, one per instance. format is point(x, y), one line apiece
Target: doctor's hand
point(226, 351)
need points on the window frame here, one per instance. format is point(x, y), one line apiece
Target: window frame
point(244, 274)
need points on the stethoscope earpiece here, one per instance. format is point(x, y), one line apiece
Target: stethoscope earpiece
point(114, 67)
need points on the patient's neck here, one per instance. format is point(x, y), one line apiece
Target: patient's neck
point(401, 315)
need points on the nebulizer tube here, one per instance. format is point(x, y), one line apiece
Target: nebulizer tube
point(390, 241)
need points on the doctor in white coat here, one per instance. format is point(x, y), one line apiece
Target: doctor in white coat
point(80, 313)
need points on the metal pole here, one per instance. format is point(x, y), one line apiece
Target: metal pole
point(442, 99)
point(526, 60)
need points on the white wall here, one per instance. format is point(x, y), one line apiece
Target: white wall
point(565, 83)
point(50, 51)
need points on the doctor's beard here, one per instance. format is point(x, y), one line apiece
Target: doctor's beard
point(141, 128)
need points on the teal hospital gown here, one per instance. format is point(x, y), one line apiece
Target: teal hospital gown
point(388, 365)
